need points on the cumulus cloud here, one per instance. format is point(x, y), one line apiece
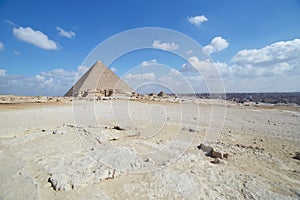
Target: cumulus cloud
point(205, 68)
point(35, 37)
point(197, 20)
point(278, 59)
point(2, 72)
point(113, 69)
point(216, 44)
point(1, 46)
point(53, 82)
point(141, 76)
point(149, 62)
point(81, 70)
point(283, 51)
point(274, 67)
point(67, 34)
point(164, 45)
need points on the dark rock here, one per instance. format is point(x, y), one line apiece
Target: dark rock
point(205, 148)
point(297, 156)
point(216, 161)
point(118, 128)
point(225, 155)
point(162, 94)
point(216, 154)
point(210, 151)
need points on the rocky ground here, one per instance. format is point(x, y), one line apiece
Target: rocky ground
point(148, 148)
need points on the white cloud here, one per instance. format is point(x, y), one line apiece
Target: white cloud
point(216, 44)
point(164, 45)
point(1, 46)
point(34, 37)
point(149, 62)
point(82, 69)
point(189, 51)
point(40, 78)
point(113, 69)
point(174, 72)
point(9, 22)
point(276, 60)
point(2, 72)
point(141, 76)
point(205, 68)
point(67, 34)
point(278, 52)
point(197, 20)
point(272, 68)
point(16, 52)
point(53, 82)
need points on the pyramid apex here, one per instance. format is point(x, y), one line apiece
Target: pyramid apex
point(98, 62)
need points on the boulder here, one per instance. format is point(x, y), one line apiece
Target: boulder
point(205, 148)
point(210, 151)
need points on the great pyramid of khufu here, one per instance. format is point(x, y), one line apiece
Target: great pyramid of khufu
point(98, 81)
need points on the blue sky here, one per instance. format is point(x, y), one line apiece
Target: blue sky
point(254, 44)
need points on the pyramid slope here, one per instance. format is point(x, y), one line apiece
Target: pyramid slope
point(98, 78)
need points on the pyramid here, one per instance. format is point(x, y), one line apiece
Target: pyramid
point(98, 81)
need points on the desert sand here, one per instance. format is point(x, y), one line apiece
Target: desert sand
point(55, 148)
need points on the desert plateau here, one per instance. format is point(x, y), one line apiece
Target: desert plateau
point(48, 151)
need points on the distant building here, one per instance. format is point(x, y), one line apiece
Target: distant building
point(98, 81)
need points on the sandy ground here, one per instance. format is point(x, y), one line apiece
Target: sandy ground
point(73, 150)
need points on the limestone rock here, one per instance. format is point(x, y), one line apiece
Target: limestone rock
point(210, 151)
point(297, 156)
point(216, 161)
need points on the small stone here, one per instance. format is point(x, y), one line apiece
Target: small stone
point(191, 130)
point(57, 132)
point(205, 148)
point(225, 155)
point(210, 151)
point(149, 160)
point(216, 161)
point(297, 156)
point(118, 128)
point(216, 154)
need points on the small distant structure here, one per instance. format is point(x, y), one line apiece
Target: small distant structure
point(98, 81)
point(162, 94)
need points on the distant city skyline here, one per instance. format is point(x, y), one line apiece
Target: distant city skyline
point(255, 45)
